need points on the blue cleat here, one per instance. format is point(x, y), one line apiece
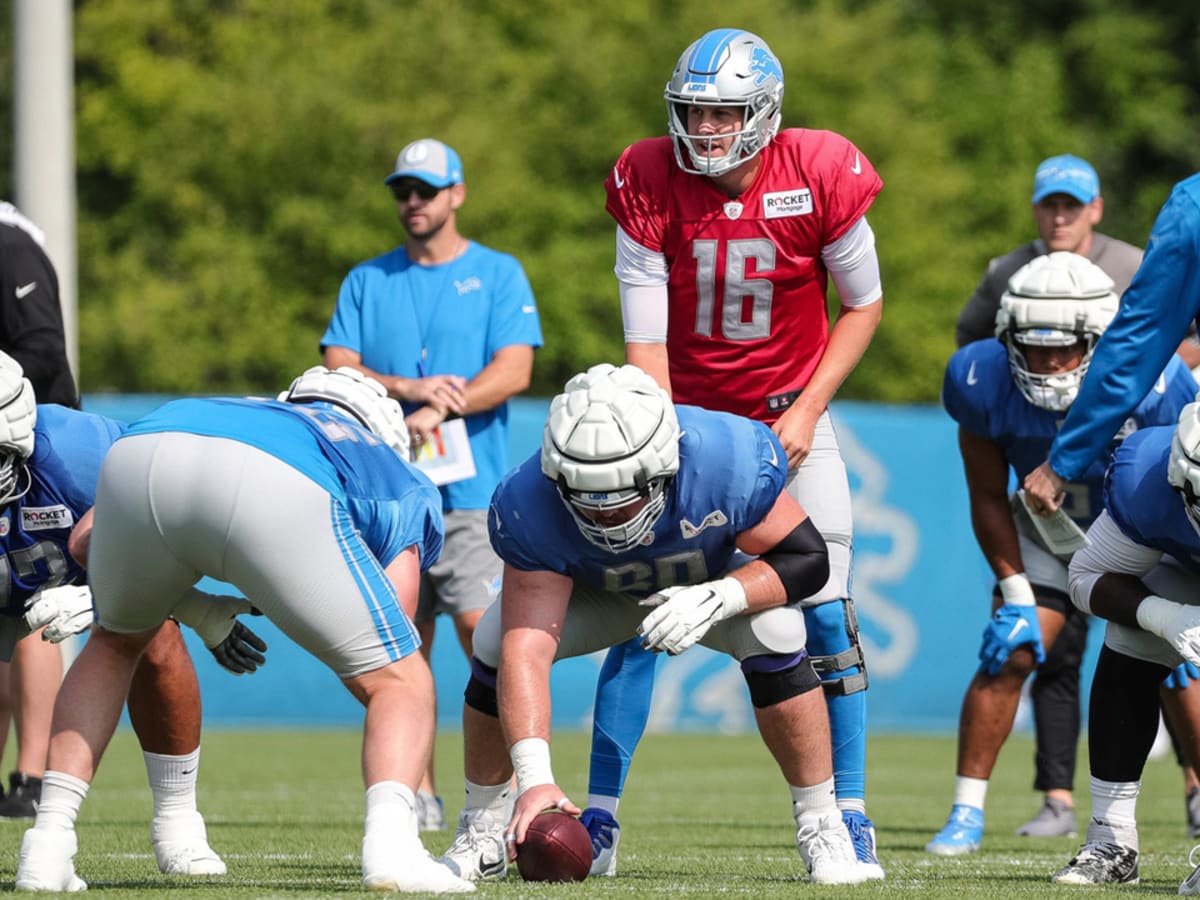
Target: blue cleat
point(862, 835)
point(961, 834)
point(606, 834)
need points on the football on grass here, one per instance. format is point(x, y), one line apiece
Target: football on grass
point(557, 847)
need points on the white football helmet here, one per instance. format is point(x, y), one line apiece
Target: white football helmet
point(611, 438)
point(1183, 467)
point(362, 397)
point(18, 416)
point(726, 67)
point(1054, 301)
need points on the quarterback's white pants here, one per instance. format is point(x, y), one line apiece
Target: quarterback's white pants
point(822, 488)
point(173, 507)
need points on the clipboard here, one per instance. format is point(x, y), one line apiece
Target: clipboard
point(446, 457)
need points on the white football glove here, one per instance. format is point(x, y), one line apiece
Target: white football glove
point(683, 614)
point(65, 611)
point(1176, 623)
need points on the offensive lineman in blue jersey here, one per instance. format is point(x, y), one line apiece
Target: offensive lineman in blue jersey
point(632, 505)
point(309, 507)
point(1008, 397)
point(1141, 572)
point(49, 460)
point(1162, 301)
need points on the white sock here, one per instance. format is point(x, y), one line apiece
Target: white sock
point(1114, 812)
point(173, 781)
point(817, 800)
point(62, 795)
point(970, 791)
point(604, 802)
point(492, 797)
point(391, 806)
point(853, 804)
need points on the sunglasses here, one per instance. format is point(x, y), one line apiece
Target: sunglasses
point(401, 190)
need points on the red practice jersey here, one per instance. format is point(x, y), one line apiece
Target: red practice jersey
point(747, 321)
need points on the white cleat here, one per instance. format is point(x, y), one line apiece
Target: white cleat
point(47, 862)
point(181, 846)
point(405, 866)
point(828, 852)
point(478, 852)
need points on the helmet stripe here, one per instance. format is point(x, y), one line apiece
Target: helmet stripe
point(707, 55)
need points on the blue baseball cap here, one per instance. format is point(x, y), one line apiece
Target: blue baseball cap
point(1066, 174)
point(430, 161)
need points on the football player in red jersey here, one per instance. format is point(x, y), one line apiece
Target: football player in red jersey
point(728, 232)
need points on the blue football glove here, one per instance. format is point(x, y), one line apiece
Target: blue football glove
point(1009, 628)
point(1182, 675)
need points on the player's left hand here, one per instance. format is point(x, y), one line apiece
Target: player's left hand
point(241, 652)
point(1182, 676)
point(64, 611)
point(1010, 627)
point(683, 614)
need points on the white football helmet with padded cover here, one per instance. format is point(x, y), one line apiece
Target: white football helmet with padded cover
point(365, 399)
point(1054, 301)
point(726, 67)
point(1183, 466)
point(612, 438)
point(18, 416)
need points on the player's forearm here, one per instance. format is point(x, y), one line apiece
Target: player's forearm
point(848, 341)
point(508, 374)
point(523, 695)
point(652, 359)
point(991, 520)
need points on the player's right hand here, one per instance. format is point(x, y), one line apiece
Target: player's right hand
point(1010, 627)
point(64, 611)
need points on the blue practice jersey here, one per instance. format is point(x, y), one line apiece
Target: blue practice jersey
point(731, 472)
point(68, 448)
point(1142, 502)
point(1162, 301)
point(392, 503)
point(451, 319)
point(980, 394)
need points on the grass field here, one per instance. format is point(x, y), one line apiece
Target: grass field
point(704, 816)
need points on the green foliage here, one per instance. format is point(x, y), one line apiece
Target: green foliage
point(231, 153)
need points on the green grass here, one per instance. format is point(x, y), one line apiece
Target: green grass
point(703, 816)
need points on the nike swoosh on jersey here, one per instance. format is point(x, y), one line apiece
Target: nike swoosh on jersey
point(1160, 386)
point(972, 378)
point(857, 167)
point(528, 308)
point(618, 180)
point(24, 290)
point(774, 458)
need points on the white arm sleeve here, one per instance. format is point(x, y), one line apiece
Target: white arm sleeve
point(1108, 550)
point(853, 265)
point(642, 276)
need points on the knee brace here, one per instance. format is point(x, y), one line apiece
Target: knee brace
point(481, 689)
point(774, 678)
point(830, 666)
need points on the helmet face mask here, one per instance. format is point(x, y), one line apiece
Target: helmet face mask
point(611, 445)
point(724, 68)
point(1054, 301)
point(364, 399)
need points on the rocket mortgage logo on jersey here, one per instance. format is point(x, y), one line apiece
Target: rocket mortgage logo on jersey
point(46, 518)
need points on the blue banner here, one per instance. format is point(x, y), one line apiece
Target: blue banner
point(920, 584)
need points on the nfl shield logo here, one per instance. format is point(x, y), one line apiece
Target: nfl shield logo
point(733, 210)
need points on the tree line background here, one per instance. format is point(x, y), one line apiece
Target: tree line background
point(231, 154)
